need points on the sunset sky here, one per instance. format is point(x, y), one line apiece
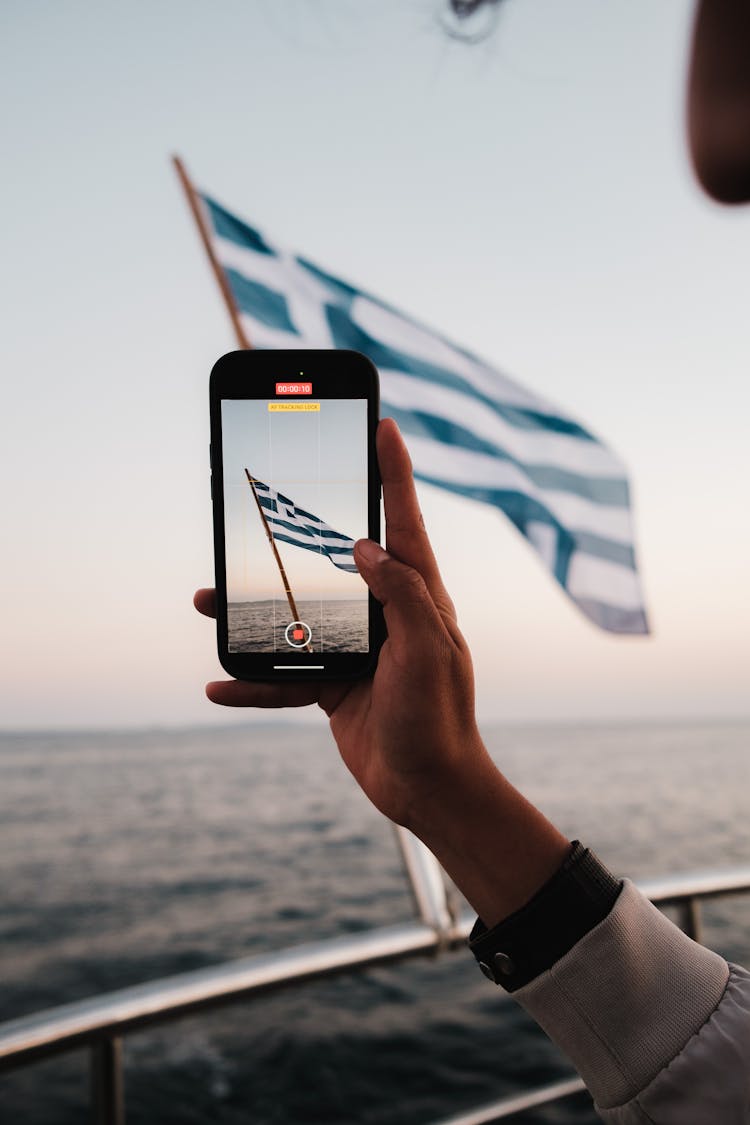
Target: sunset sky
point(529, 195)
point(318, 460)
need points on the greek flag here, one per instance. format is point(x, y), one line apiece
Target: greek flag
point(469, 428)
point(291, 524)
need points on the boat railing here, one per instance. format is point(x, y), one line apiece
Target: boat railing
point(101, 1022)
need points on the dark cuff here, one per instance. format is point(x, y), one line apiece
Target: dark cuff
point(578, 897)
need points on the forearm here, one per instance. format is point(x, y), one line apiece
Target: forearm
point(633, 1002)
point(495, 845)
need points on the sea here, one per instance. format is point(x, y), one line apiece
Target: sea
point(127, 856)
point(336, 625)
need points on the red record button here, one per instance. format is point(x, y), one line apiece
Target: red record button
point(298, 634)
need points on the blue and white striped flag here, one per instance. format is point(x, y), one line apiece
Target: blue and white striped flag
point(291, 524)
point(469, 428)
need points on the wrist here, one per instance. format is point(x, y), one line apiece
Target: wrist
point(495, 845)
point(573, 902)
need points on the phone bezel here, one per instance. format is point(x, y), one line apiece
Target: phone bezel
point(253, 374)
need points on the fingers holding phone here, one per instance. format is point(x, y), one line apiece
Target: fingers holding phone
point(406, 535)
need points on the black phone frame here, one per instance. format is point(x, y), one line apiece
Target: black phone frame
point(253, 374)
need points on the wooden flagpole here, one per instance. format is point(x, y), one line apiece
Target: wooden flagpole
point(407, 841)
point(277, 556)
point(242, 339)
point(200, 221)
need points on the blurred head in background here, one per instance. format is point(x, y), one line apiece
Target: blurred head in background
point(718, 102)
point(719, 99)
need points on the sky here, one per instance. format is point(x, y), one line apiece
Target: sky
point(318, 460)
point(529, 195)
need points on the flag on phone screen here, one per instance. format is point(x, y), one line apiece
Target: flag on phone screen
point(469, 428)
point(291, 524)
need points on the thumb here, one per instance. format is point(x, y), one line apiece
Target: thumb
point(410, 613)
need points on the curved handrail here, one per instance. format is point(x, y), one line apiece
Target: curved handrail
point(126, 1009)
point(103, 1019)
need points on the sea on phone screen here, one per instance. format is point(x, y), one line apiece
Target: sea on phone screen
point(337, 625)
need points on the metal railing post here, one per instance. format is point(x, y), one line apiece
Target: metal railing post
point(107, 1088)
point(690, 921)
point(427, 882)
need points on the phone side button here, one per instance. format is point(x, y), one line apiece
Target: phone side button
point(211, 484)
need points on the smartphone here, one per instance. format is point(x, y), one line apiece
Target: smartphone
point(294, 482)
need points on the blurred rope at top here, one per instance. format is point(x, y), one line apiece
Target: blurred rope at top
point(466, 18)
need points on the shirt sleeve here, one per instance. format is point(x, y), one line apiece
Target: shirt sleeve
point(657, 1026)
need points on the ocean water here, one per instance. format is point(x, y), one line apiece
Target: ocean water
point(128, 856)
point(336, 626)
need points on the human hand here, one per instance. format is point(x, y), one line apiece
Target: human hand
point(409, 729)
point(409, 734)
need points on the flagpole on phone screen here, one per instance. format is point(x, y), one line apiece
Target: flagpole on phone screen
point(277, 556)
point(196, 208)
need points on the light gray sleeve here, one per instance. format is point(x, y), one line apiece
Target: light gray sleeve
point(655, 1024)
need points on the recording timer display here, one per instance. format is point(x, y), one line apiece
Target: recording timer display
point(294, 388)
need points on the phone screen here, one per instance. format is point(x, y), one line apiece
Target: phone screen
point(296, 492)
